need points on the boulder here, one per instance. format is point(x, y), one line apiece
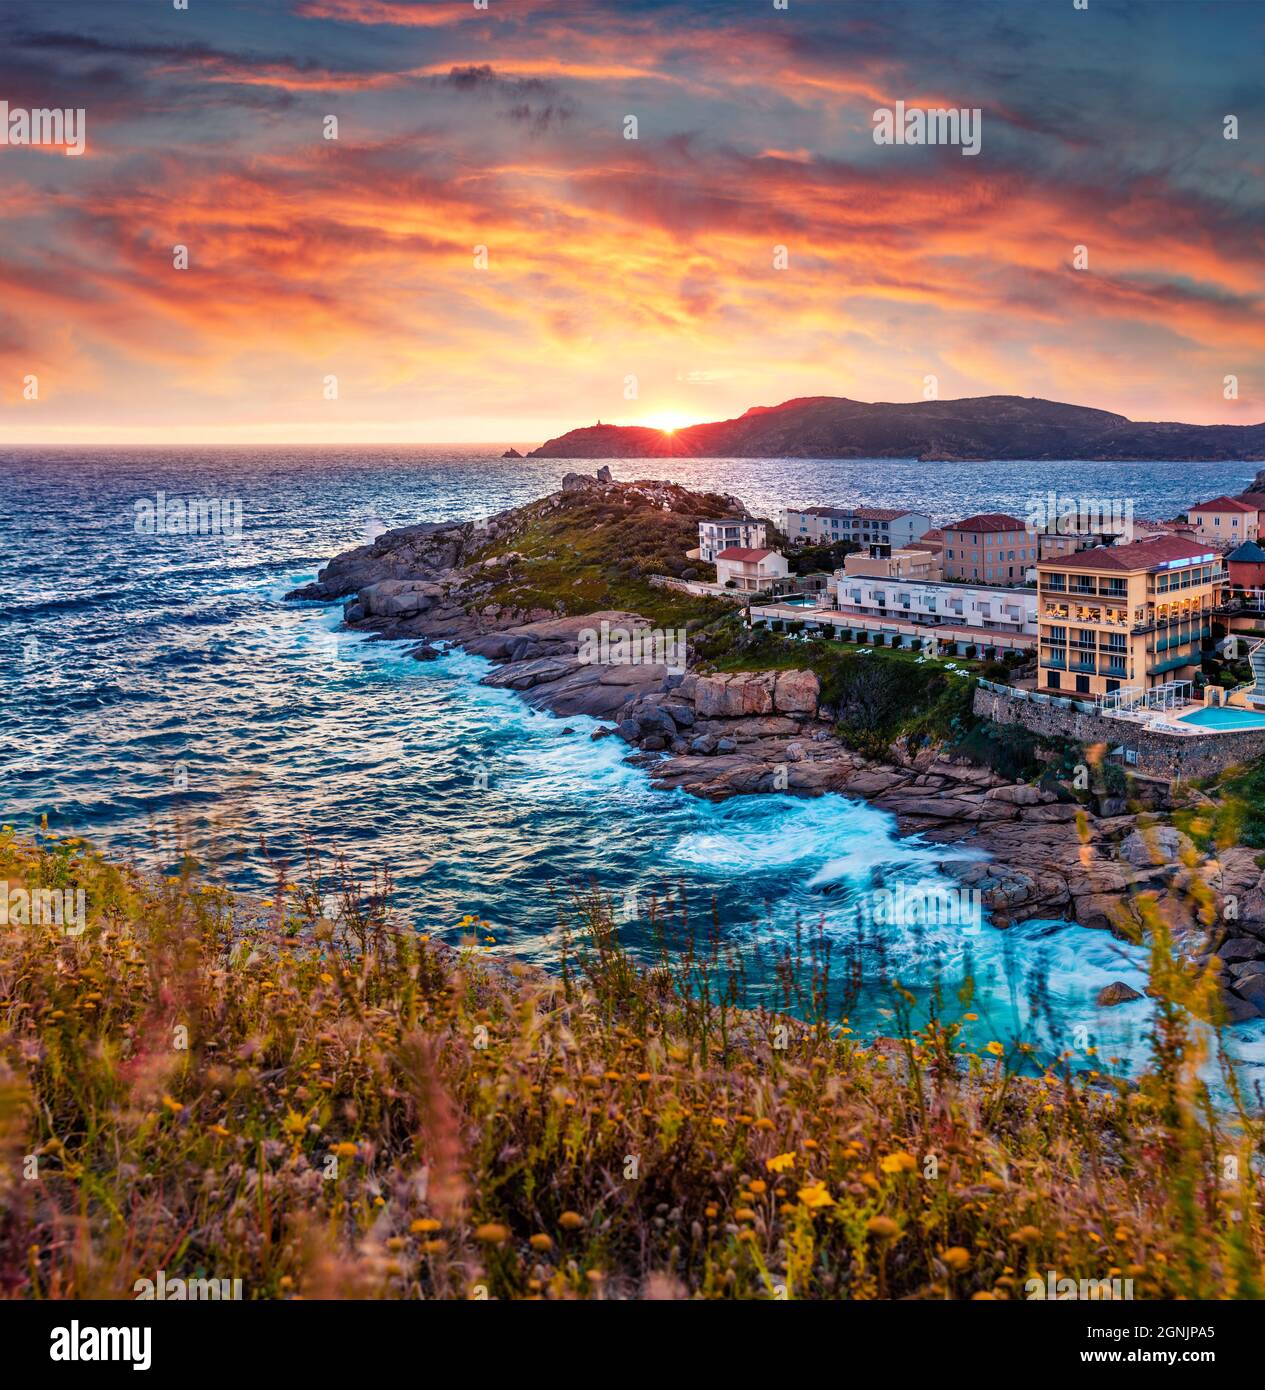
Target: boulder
point(1117, 992)
point(1051, 814)
point(1253, 990)
point(1103, 912)
point(796, 692)
point(657, 721)
point(398, 598)
point(1156, 844)
point(1018, 795)
point(1240, 949)
point(682, 714)
point(1239, 1010)
point(731, 697)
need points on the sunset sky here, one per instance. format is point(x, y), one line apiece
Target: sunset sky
point(607, 257)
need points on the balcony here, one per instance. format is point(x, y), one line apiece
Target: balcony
point(1173, 663)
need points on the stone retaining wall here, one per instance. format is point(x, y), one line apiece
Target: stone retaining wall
point(1158, 755)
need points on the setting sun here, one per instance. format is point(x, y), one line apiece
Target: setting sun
point(669, 421)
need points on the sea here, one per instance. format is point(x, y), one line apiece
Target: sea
point(161, 699)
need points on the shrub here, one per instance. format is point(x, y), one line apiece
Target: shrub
point(519, 1094)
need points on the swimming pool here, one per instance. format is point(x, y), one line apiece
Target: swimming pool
point(1221, 717)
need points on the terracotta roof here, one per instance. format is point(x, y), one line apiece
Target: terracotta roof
point(737, 552)
point(1140, 555)
point(988, 521)
point(1223, 504)
point(1253, 499)
point(880, 513)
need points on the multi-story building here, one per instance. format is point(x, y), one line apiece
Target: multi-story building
point(992, 548)
point(1052, 545)
point(740, 567)
point(1226, 521)
point(932, 603)
point(885, 527)
point(741, 531)
point(899, 564)
point(1125, 616)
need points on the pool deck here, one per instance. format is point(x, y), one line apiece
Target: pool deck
point(1173, 721)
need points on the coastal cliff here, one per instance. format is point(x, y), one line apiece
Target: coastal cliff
point(1033, 848)
point(974, 428)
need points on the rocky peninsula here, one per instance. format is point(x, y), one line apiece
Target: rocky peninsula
point(519, 588)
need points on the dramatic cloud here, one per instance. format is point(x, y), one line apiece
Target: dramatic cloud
point(482, 253)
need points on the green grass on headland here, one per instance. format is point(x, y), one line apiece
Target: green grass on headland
point(595, 552)
point(349, 1110)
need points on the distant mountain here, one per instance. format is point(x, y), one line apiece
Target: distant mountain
point(977, 427)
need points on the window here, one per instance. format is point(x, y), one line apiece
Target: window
point(1082, 685)
point(1054, 679)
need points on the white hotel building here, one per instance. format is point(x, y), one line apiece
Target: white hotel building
point(735, 532)
point(884, 527)
point(987, 607)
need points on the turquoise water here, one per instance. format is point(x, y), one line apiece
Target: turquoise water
point(160, 698)
point(1218, 717)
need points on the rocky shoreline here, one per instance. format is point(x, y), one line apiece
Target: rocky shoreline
point(1033, 852)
